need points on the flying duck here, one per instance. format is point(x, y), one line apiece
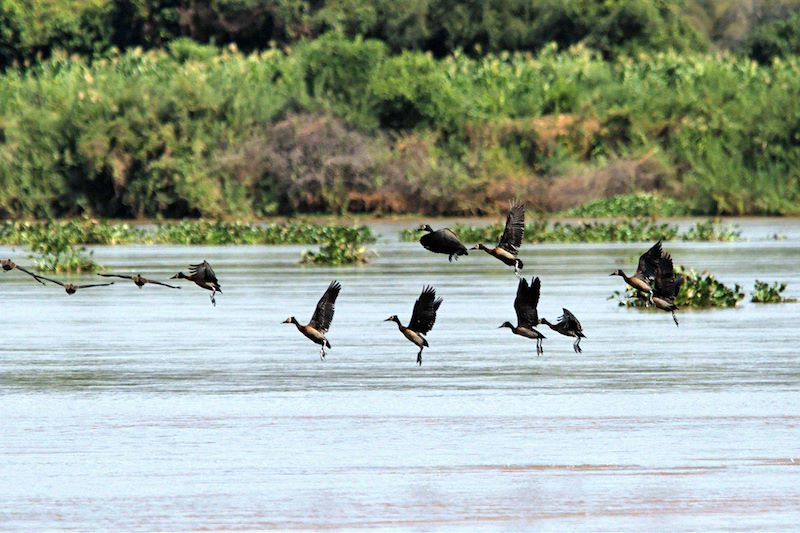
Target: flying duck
point(508, 246)
point(8, 265)
point(422, 319)
point(321, 320)
point(71, 288)
point(568, 325)
point(642, 280)
point(203, 276)
point(527, 316)
point(442, 241)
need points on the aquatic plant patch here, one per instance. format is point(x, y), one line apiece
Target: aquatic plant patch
point(766, 293)
point(699, 290)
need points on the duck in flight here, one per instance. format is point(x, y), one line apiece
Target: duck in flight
point(139, 280)
point(442, 241)
point(666, 286)
point(71, 288)
point(8, 265)
point(422, 319)
point(320, 322)
point(527, 316)
point(203, 276)
point(569, 326)
point(507, 247)
point(644, 277)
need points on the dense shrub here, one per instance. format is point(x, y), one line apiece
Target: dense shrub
point(338, 125)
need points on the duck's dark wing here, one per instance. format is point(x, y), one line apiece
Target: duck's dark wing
point(511, 239)
point(93, 285)
point(424, 314)
point(648, 262)
point(442, 241)
point(50, 280)
point(203, 271)
point(28, 272)
point(527, 301)
point(116, 276)
point(160, 283)
point(667, 284)
point(323, 314)
point(570, 321)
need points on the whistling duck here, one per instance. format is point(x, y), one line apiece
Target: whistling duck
point(71, 288)
point(442, 241)
point(508, 246)
point(8, 264)
point(527, 316)
point(642, 279)
point(321, 321)
point(203, 276)
point(666, 286)
point(422, 319)
point(138, 280)
point(568, 325)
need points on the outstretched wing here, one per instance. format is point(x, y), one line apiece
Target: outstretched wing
point(93, 285)
point(115, 276)
point(203, 271)
point(511, 239)
point(28, 272)
point(648, 262)
point(667, 284)
point(424, 314)
point(527, 301)
point(323, 314)
point(570, 321)
point(160, 283)
point(50, 280)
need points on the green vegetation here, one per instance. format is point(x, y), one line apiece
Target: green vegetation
point(55, 253)
point(631, 205)
point(627, 230)
point(699, 290)
point(764, 293)
point(336, 251)
point(711, 231)
point(86, 231)
point(245, 108)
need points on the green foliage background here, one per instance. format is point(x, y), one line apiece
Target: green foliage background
point(119, 109)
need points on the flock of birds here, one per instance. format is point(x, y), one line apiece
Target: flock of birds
point(655, 283)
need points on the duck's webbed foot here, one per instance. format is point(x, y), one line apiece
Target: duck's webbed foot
point(577, 346)
point(674, 318)
point(322, 353)
point(213, 300)
point(539, 347)
point(419, 357)
point(450, 258)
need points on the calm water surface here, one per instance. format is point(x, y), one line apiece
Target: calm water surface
point(150, 410)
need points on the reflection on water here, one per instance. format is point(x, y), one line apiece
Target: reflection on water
point(149, 409)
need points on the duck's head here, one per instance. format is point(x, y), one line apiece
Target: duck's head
point(617, 272)
point(479, 246)
point(290, 320)
point(393, 318)
point(179, 275)
point(506, 324)
point(425, 227)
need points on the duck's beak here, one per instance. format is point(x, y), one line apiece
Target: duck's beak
point(388, 319)
point(287, 321)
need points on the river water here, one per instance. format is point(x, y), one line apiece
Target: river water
point(128, 409)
